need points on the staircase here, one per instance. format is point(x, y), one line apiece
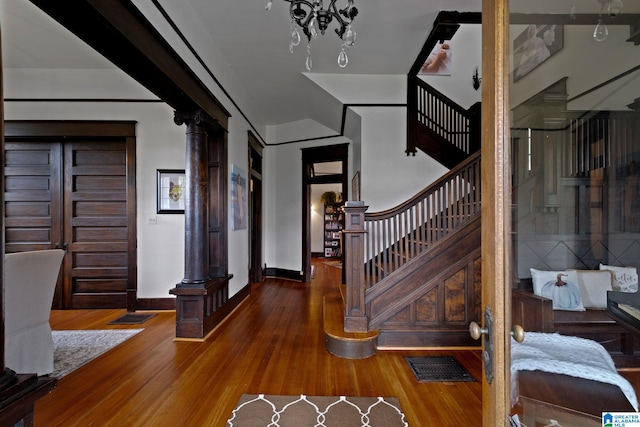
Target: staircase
point(419, 285)
point(412, 273)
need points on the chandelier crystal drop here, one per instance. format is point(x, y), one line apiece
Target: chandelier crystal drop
point(313, 18)
point(601, 31)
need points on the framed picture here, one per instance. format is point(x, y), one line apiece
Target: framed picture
point(171, 188)
point(438, 61)
point(534, 46)
point(238, 198)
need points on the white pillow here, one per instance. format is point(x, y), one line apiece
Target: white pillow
point(565, 297)
point(626, 278)
point(593, 285)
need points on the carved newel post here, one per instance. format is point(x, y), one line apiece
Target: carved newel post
point(355, 319)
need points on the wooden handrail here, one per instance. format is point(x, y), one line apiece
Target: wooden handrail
point(397, 235)
point(376, 244)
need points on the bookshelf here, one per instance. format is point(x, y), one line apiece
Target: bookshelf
point(333, 224)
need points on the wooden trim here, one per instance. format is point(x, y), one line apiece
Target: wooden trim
point(156, 304)
point(281, 273)
point(122, 34)
point(496, 205)
point(325, 153)
point(69, 128)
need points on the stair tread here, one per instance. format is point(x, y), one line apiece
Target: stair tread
point(333, 316)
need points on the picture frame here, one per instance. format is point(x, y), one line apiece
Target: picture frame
point(238, 198)
point(171, 191)
point(534, 46)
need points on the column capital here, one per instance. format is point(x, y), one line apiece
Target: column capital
point(198, 118)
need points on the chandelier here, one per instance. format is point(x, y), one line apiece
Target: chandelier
point(314, 19)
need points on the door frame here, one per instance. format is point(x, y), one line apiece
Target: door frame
point(255, 151)
point(496, 206)
point(326, 153)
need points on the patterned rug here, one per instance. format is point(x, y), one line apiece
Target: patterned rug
point(316, 411)
point(72, 349)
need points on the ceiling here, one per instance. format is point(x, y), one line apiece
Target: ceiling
point(246, 47)
point(250, 47)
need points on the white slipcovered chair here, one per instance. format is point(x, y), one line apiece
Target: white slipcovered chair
point(29, 284)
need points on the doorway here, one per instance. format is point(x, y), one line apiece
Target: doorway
point(320, 165)
point(71, 185)
point(255, 209)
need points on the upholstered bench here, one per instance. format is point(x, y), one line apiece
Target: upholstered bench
point(586, 317)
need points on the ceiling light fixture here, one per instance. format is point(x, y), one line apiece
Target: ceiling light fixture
point(314, 19)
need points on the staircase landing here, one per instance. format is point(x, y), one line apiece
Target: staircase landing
point(348, 345)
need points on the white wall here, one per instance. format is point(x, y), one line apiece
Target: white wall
point(283, 203)
point(390, 177)
point(160, 144)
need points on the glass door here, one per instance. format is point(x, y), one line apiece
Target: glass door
point(574, 108)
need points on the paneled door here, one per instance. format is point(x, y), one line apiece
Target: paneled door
point(76, 194)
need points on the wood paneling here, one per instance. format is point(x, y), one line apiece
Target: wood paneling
point(71, 185)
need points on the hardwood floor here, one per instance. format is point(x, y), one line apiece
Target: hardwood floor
point(273, 344)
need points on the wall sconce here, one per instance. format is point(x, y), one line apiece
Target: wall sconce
point(476, 79)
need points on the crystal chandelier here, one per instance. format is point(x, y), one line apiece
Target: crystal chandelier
point(314, 19)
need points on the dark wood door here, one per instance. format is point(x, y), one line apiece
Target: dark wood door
point(33, 199)
point(96, 228)
point(77, 195)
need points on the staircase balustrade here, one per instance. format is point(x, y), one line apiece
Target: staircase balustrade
point(384, 241)
point(443, 119)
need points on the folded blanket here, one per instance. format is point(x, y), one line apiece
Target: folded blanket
point(560, 354)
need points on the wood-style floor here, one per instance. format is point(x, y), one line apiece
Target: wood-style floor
point(273, 344)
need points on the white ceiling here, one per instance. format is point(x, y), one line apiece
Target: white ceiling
point(253, 44)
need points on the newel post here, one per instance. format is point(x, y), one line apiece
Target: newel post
point(355, 317)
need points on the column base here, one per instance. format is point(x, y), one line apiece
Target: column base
point(201, 307)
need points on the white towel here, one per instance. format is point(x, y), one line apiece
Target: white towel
point(573, 356)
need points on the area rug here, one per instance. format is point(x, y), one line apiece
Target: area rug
point(438, 369)
point(73, 349)
point(132, 319)
point(316, 411)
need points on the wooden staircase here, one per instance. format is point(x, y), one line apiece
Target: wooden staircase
point(412, 273)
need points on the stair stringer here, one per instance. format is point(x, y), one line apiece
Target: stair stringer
point(423, 304)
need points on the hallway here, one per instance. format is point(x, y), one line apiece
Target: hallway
point(273, 344)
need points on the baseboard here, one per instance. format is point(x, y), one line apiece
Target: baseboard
point(156, 304)
point(280, 273)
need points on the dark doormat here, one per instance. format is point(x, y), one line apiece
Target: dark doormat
point(438, 369)
point(132, 319)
